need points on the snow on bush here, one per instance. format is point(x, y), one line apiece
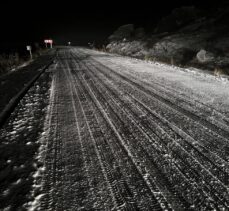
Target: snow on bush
point(134, 48)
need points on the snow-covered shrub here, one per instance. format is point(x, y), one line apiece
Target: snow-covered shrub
point(131, 48)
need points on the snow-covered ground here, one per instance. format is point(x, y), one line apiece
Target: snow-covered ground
point(20, 164)
point(123, 134)
point(127, 134)
point(209, 89)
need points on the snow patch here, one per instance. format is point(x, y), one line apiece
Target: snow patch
point(33, 205)
point(38, 183)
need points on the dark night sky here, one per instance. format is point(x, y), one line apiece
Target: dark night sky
point(77, 21)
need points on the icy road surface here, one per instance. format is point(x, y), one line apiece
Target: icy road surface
point(123, 134)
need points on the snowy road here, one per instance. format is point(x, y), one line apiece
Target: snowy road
point(124, 134)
